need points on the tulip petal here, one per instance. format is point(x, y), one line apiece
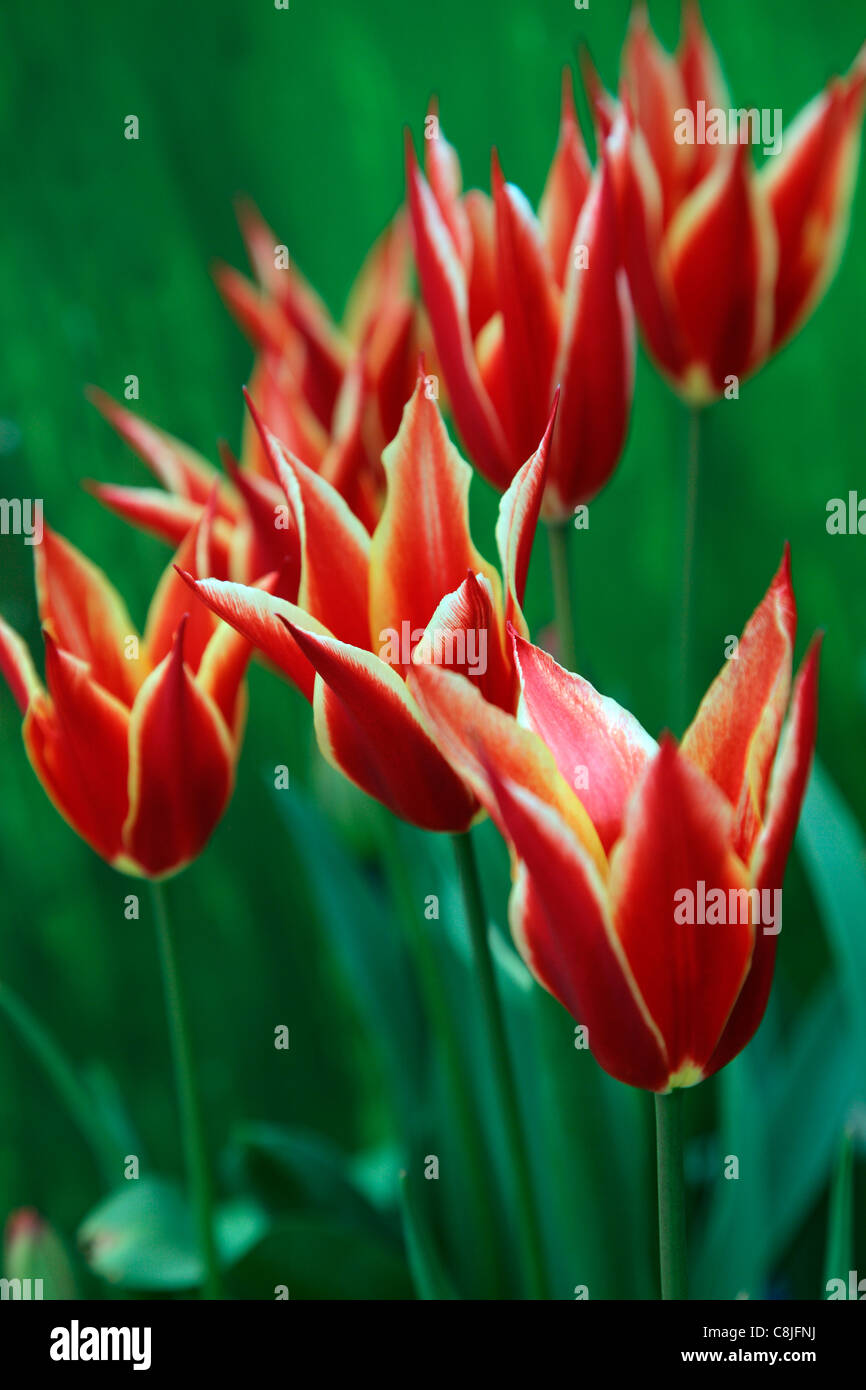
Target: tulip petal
point(563, 929)
point(735, 732)
point(178, 467)
point(368, 726)
point(476, 736)
point(465, 635)
point(443, 285)
point(181, 768)
point(85, 615)
point(702, 81)
point(256, 613)
point(172, 600)
point(162, 514)
point(422, 548)
point(530, 313)
point(17, 668)
point(656, 92)
point(334, 546)
point(677, 835)
point(599, 747)
point(516, 523)
point(810, 186)
point(787, 789)
point(566, 187)
point(595, 361)
point(77, 743)
point(726, 319)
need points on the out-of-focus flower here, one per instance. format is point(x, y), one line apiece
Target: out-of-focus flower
point(363, 606)
point(724, 262)
point(333, 394)
point(613, 836)
point(520, 304)
point(135, 740)
point(34, 1258)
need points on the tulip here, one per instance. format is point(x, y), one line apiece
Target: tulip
point(520, 304)
point(35, 1261)
point(606, 827)
point(362, 606)
point(135, 740)
point(333, 393)
point(725, 263)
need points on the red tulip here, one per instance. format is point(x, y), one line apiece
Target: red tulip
point(724, 263)
point(362, 607)
point(602, 873)
point(520, 304)
point(134, 740)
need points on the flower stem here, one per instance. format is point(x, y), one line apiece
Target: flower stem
point(561, 572)
point(672, 1194)
point(435, 995)
point(198, 1169)
point(682, 653)
point(506, 1088)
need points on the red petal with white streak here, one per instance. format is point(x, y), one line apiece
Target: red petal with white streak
point(787, 789)
point(561, 924)
point(368, 726)
point(85, 615)
point(181, 769)
point(443, 284)
point(595, 361)
point(593, 739)
point(422, 548)
point(735, 732)
point(677, 835)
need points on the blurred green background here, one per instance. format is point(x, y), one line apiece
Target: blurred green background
point(105, 254)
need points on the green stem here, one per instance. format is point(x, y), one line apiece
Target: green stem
point(441, 1015)
point(672, 1194)
point(682, 653)
point(195, 1149)
point(562, 576)
point(75, 1095)
point(506, 1088)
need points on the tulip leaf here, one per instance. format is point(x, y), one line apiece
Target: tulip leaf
point(355, 913)
point(833, 849)
point(431, 1282)
point(313, 1255)
point(839, 1258)
point(142, 1237)
point(785, 1137)
point(294, 1168)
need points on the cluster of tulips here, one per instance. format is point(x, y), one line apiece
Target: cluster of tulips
point(346, 518)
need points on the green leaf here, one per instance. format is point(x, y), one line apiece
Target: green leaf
point(142, 1237)
point(298, 1168)
point(840, 1222)
point(315, 1256)
point(430, 1280)
point(833, 849)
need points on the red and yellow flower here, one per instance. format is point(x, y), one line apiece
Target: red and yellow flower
point(520, 305)
point(725, 263)
point(358, 607)
point(135, 739)
point(606, 827)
